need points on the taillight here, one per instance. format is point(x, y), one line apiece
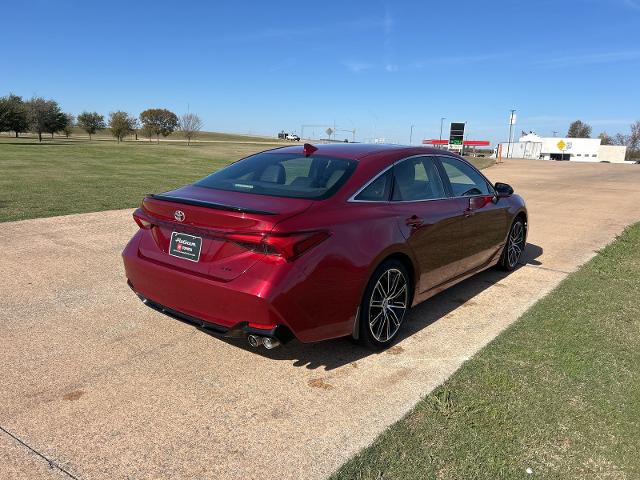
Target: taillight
point(142, 221)
point(287, 246)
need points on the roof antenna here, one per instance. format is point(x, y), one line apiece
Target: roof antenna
point(308, 149)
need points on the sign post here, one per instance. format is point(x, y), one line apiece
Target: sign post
point(512, 122)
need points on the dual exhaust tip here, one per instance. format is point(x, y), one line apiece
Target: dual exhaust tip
point(268, 342)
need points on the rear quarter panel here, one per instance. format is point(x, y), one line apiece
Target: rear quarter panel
point(333, 275)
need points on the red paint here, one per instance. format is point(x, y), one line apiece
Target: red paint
point(307, 265)
point(308, 149)
point(435, 142)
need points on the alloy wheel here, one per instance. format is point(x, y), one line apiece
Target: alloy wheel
point(516, 244)
point(388, 305)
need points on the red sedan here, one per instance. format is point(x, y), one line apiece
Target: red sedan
point(317, 242)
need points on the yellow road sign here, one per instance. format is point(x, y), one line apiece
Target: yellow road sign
point(561, 145)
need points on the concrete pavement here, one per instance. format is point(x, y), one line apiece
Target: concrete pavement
point(99, 386)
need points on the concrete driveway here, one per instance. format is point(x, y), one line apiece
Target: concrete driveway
point(97, 386)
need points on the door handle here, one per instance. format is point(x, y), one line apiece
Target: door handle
point(414, 221)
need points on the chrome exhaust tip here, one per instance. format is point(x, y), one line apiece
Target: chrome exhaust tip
point(254, 340)
point(270, 343)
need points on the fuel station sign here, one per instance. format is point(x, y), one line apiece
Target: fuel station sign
point(456, 136)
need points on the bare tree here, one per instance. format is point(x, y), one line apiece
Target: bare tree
point(190, 125)
point(621, 139)
point(634, 139)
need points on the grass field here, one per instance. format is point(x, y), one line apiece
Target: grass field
point(557, 393)
point(59, 177)
point(79, 134)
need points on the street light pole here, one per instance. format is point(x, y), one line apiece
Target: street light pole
point(510, 131)
point(411, 135)
point(441, 120)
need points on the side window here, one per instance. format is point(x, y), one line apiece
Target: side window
point(465, 180)
point(417, 179)
point(378, 190)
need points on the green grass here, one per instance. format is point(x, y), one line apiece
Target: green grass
point(105, 134)
point(481, 162)
point(60, 176)
point(557, 392)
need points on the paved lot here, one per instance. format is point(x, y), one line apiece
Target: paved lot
point(106, 388)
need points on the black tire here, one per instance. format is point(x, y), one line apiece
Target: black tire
point(385, 305)
point(514, 246)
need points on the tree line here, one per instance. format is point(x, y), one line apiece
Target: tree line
point(41, 116)
point(580, 129)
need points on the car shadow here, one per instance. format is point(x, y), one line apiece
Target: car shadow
point(332, 354)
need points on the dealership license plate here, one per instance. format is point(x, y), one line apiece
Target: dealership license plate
point(185, 246)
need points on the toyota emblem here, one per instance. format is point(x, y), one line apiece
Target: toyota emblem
point(179, 215)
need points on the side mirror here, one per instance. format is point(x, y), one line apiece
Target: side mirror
point(503, 189)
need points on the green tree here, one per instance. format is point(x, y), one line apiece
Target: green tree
point(579, 129)
point(57, 122)
point(14, 116)
point(121, 124)
point(44, 116)
point(135, 125)
point(605, 139)
point(190, 125)
point(159, 121)
point(91, 122)
point(68, 128)
point(147, 131)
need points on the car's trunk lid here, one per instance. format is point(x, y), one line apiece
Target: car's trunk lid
point(213, 216)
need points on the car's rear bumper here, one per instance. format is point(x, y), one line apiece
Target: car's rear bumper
point(236, 308)
point(239, 330)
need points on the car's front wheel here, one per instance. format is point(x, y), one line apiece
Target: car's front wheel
point(385, 304)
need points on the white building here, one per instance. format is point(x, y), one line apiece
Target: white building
point(533, 146)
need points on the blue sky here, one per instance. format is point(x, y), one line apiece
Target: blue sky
point(376, 66)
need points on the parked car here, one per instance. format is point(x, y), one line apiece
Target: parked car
point(317, 242)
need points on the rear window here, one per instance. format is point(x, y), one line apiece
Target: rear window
point(283, 175)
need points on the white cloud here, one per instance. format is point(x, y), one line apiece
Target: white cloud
point(356, 24)
point(587, 59)
point(357, 66)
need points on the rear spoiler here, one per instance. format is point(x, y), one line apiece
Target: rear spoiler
point(203, 203)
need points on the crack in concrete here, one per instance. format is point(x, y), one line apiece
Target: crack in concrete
point(52, 464)
point(540, 267)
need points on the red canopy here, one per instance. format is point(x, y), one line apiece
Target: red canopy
point(470, 143)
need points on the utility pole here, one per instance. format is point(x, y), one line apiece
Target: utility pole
point(441, 120)
point(411, 134)
point(511, 119)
